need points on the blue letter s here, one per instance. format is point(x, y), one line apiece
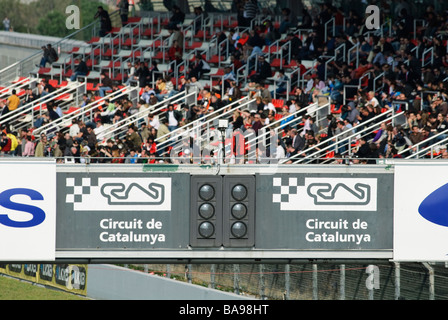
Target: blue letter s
point(37, 213)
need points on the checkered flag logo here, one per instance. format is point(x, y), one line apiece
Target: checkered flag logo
point(303, 193)
point(118, 193)
point(77, 188)
point(283, 189)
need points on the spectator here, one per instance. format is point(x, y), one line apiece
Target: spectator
point(28, 146)
point(80, 70)
point(13, 101)
point(174, 117)
point(29, 96)
point(5, 144)
point(105, 23)
point(130, 73)
point(177, 36)
point(153, 122)
point(42, 147)
point(106, 84)
point(281, 83)
point(199, 68)
point(45, 88)
point(133, 138)
point(91, 138)
point(258, 124)
point(176, 18)
point(249, 12)
point(263, 71)
point(342, 134)
point(123, 6)
point(132, 157)
point(7, 24)
point(289, 20)
point(199, 18)
point(175, 52)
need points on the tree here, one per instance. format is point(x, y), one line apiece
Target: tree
point(53, 24)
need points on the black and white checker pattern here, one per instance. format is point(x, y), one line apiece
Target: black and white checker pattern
point(77, 187)
point(283, 187)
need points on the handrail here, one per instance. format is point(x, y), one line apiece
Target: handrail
point(343, 141)
point(272, 124)
point(201, 121)
point(356, 47)
point(381, 75)
point(18, 85)
point(425, 150)
point(11, 115)
point(142, 113)
point(431, 50)
point(15, 66)
point(196, 128)
point(86, 109)
point(341, 134)
point(421, 143)
point(333, 21)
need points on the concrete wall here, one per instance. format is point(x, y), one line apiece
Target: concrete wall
point(108, 282)
point(16, 46)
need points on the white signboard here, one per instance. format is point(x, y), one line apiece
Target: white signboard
point(28, 211)
point(119, 194)
point(421, 211)
point(327, 194)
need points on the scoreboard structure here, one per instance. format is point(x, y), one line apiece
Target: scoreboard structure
point(168, 213)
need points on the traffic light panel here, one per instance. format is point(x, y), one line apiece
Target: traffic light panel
point(206, 211)
point(239, 211)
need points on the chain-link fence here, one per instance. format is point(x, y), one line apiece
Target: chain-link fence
point(322, 281)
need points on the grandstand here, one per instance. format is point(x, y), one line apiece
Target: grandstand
point(394, 76)
point(298, 83)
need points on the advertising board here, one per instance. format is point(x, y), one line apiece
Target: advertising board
point(420, 211)
point(27, 211)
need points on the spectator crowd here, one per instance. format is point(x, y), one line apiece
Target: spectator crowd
point(395, 69)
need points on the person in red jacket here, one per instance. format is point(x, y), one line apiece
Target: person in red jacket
point(5, 143)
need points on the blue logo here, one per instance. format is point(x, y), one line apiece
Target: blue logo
point(38, 215)
point(435, 206)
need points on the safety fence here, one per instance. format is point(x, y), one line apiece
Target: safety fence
point(321, 281)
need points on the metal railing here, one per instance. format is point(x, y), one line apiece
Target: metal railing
point(30, 108)
point(117, 129)
point(197, 125)
point(321, 148)
point(82, 113)
point(325, 146)
point(23, 67)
